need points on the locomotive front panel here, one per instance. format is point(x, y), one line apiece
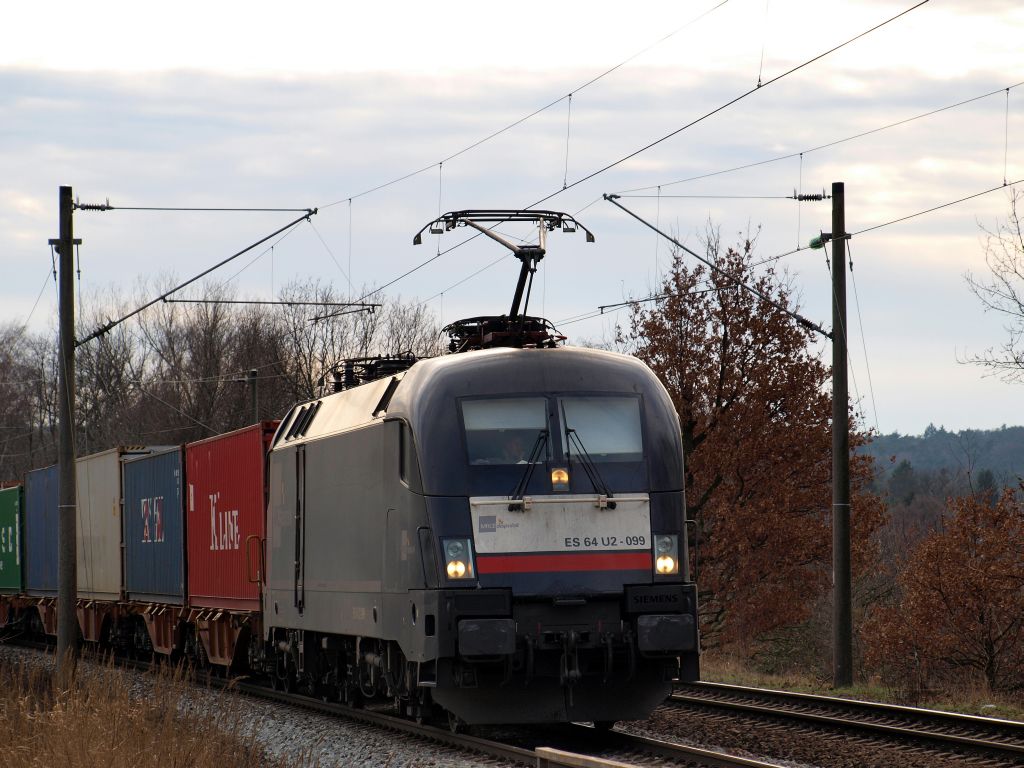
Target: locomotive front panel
point(570, 544)
point(566, 544)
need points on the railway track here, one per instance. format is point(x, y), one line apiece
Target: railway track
point(996, 742)
point(575, 745)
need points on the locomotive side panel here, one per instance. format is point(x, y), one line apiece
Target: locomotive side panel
point(327, 520)
point(410, 562)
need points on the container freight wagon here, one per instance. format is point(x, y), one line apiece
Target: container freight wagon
point(11, 517)
point(98, 481)
point(225, 525)
point(100, 554)
point(39, 551)
point(154, 527)
point(41, 532)
point(154, 544)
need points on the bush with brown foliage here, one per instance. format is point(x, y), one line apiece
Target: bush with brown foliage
point(961, 603)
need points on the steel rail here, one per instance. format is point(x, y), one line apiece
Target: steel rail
point(619, 741)
point(629, 742)
point(1004, 738)
point(616, 741)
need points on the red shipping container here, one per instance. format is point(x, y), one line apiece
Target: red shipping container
point(226, 506)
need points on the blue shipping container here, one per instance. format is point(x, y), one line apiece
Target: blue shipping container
point(41, 531)
point(154, 527)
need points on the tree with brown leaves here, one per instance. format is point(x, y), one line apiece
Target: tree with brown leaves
point(962, 599)
point(755, 417)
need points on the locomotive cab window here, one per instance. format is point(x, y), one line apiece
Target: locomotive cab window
point(608, 428)
point(506, 430)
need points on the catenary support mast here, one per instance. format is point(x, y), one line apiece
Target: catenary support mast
point(842, 614)
point(67, 586)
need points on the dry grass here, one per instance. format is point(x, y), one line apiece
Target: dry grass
point(103, 718)
point(961, 695)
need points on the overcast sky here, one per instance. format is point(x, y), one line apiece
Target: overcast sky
point(257, 104)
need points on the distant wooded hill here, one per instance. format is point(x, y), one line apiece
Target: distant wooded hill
point(1001, 451)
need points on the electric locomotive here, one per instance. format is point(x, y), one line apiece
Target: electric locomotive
point(500, 533)
point(497, 534)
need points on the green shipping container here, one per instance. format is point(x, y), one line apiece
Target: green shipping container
point(11, 520)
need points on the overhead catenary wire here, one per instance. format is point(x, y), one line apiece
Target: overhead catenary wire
point(712, 197)
point(269, 249)
point(764, 39)
point(808, 324)
point(844, 333)
point(39, 297)
point(662, 139)
point(278, 303)
point(603, 309)
point(568, 126)
point(827, 145)
point(188, 416)
point(164, 208)
point(114, 323)
point(525, 118)
point(936, 208)
point(330, 253)
point(863, 338)
point(733, 101)
point(1006, 135)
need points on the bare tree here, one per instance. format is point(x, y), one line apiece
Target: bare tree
point(28, 400)
point(105, 375)
point(318, 338)
point(178, 372)
point(1002, 291)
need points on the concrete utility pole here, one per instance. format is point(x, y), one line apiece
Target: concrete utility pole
point(67, 583)
point(842, 613)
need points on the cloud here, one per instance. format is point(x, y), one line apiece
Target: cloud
point(192, 137)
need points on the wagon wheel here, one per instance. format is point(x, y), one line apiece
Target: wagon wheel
point(455, 723)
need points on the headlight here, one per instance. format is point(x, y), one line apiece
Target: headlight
point(458, 557)
point(455, 549)
point(666, 552)
point(666, 565)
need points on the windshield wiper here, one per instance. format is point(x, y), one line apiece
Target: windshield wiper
point(516, 497)
point(589, 467)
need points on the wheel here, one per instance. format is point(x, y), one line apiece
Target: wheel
point(456, 724)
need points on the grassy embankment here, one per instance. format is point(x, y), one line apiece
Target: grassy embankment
point(111, 719)
point(966, 696)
